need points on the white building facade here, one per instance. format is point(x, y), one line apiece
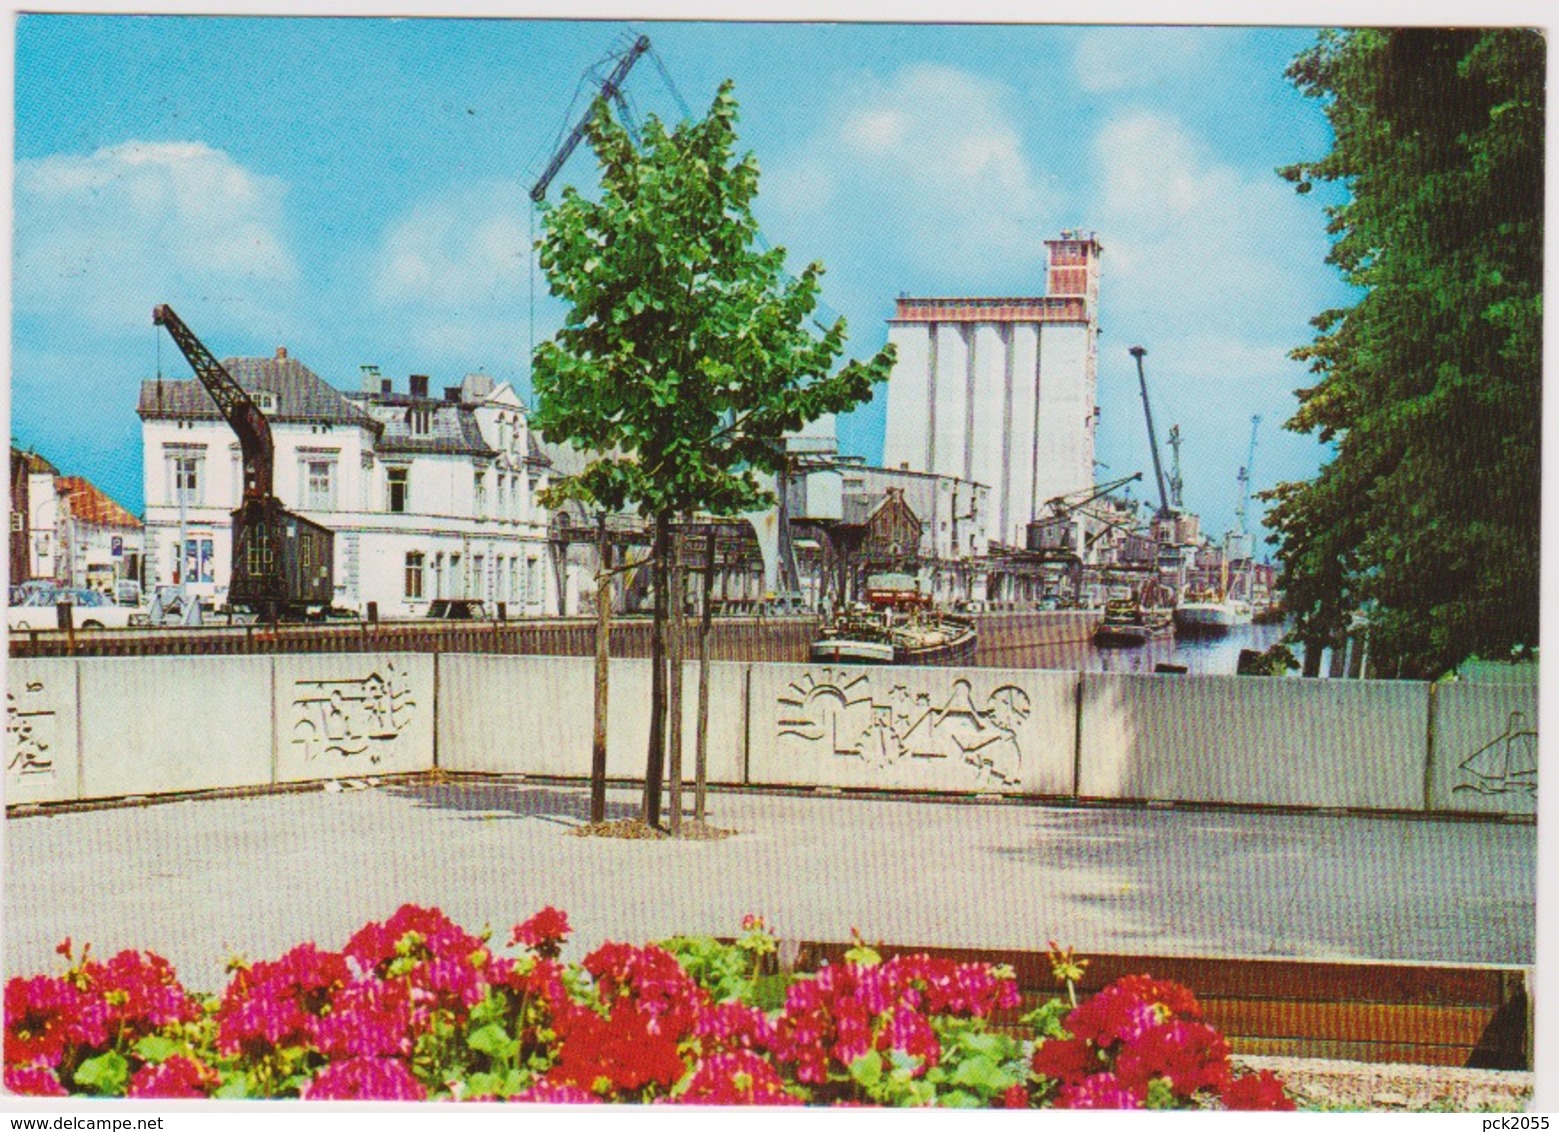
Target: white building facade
point(1001, 391)
point(429, 497)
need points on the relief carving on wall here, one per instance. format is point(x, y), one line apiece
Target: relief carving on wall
point(30, 728)
point(836, 712)
point(353, 716)
point(1507, 764)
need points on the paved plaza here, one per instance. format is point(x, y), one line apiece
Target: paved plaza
point(202, 880)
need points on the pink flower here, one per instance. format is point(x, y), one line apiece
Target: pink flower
point(271, 1005)
point(375, 944)
point(1262, 1091)
point(176, 1077)
point(44, 1015)
point(740, 1077)
point(32, 1081)
point(544, 933)
point(728, 1026)
point(1102, 1090)
point(543, 1092)
point(369, 1018)
point(1176, 1000)
point(365, 1079)
point(142, 994)
point(907, 1030)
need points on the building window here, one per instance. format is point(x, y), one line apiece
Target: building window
point(319, 485)
point(421, 418)
point(265, 400)
point(479, 577)
point(481, 493)
point(514, 580)
point(414, 576)
point(186, 474)
point(399, 489)
point(532, 580)
point(457, 580)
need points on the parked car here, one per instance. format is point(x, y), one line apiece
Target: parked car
point(458, 609)
point(89, 610)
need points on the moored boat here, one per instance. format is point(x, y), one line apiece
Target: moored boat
point(1211, 616)
point(896, 626)
point(1126, 622)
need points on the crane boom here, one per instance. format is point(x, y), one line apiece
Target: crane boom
point(609, 90)
point(1147, 409)
point(1246, 473)
point(237, 407)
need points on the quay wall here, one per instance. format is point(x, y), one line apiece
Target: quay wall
point(103, 727)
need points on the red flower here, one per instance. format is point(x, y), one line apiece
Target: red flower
point(1192, 1055)
point(365, 1079)
point(177, 1077)
point(652, 979)
point(1016, 1096)
point(1177, 1000)
point(544, 933)
point(441, 938)
point(32, 1081)
point(623, 1052)
point(1112, 1015)
point(1261, 1092)
point(1067, 1060)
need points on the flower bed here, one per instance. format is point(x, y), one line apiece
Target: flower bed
point(417, 1008)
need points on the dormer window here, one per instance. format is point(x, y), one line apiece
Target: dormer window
point(266, 400)
point(421, 418)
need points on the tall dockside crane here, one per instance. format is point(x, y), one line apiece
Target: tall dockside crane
point(611, 88)
point(1242, 511)
point(282, 562)
point(1164, 508)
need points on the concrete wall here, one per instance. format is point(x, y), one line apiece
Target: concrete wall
point(1258, 741)
point(535, 715)
point(41, 751)
point(912, 728)
point(1483, 752)
point(110, 727)
point(151, 725)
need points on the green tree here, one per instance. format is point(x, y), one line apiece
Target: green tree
point(687, 353)
point(1426, 516)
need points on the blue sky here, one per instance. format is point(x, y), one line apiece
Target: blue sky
point(356, 190)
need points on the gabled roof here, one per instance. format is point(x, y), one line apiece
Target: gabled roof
point(35, 464)
point(89, 504)
point(301, 395)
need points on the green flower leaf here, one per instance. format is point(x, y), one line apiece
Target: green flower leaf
point(105, 1075)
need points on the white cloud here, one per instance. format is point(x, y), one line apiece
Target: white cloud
point(1108, 60)
point(1195, 241)
point(453, 272)
point(938, 154)
point(101, 238)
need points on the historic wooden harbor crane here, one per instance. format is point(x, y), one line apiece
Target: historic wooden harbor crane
point(283, 564)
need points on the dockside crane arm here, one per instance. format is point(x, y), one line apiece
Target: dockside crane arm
point(237, 407)
point(1245, 475)
point(610, 89)
point(1158, 467)
point(1063, 505)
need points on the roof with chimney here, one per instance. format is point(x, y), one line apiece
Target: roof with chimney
point(302, 396)
point(450, 426)
point(33, 462)
point(88, 504)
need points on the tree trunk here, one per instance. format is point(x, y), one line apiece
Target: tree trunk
point(655, 762)
point(701, 753)
point(603, 630)
point(674, 649)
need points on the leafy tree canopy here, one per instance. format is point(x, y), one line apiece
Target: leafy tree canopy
point(1430, 385)
point(687, 353)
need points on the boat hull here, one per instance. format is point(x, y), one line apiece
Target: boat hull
point(1127, 636)
point(1210, 618)
point(842, 650)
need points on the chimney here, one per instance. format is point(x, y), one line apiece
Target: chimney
point(370, 380)
point(452, 394)
point(281, 353)
point(386, 387)
point(419, 385)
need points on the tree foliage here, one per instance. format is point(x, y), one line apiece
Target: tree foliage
point(686, 349)
point(1430, 390)
point(687, 353)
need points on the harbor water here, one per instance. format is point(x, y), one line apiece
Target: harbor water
point(1007, 642)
